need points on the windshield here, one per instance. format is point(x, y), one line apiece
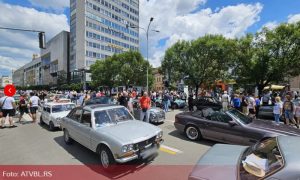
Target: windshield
point(63, 107)
point(119, 114)
point(261, 160)
point(240, 116)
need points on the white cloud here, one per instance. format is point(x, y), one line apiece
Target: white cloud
point(175, 21)
point(293, 18)
point(270, 25)
point(16, 46)
point(51, 4)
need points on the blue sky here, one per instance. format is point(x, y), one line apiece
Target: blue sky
point(176, 19)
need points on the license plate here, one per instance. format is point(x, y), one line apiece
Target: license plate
point(148, 152)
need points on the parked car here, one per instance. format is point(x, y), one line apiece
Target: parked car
point(229, 127)
point(207, 102)
point(157, 115)
point(111, 132)
point(273, 158)
point(100, 100)
point(52, 113)
point(177, 104)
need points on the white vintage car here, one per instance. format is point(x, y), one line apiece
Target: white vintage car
point(111, 132)
point(53, 112)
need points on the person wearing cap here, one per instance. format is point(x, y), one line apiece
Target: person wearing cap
point(225, 101)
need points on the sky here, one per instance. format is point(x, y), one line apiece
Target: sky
point(175, 19)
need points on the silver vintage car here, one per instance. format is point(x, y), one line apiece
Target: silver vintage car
point(112, 133)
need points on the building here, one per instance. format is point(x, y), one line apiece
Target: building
point(33, 72)
point(55, 60)
point(5, 80)
point(158, 81)
point(99, 29)
point(18, 77)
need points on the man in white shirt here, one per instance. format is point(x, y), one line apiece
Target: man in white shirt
point(34, 104)
point(251, 106)
point(225, 101)
point(8, 109)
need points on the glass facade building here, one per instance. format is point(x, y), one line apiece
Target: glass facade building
point(98, 30)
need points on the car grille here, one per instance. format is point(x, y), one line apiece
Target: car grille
point(141, 145)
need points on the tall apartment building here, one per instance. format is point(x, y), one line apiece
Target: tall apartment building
point(98, 30)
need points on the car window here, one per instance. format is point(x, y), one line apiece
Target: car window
point(102, 118)
point(220, 117)
point(76, 114)
point(86, 118)
point(261, 160)
point(62, 107)
point(48, 109)
point(119, 114)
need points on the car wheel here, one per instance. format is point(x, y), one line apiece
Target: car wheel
point(106, 158)
point(51, 126)
point(192, 133)
point(68, 140)
point(41, 121)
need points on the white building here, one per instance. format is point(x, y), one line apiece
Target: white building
point(18, 77)
point(98, 30)
point(33, 72)
point(5, 80)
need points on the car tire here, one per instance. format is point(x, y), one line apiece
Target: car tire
point(41, 121)
point(107, 160)
point(51, 126)
point(68, 140)
point(193, 133)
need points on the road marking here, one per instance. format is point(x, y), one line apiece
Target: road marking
point(169, 150)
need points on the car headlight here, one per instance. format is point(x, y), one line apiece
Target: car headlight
point(127, 148)
point(159, 135)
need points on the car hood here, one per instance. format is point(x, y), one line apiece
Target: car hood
point(218, 162)
point(60, 114)
point(281, 129)
point(132, 131)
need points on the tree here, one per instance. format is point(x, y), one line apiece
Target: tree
point(203, 61)
point(273, 56)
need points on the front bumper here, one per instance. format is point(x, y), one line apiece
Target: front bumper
point(142, 154)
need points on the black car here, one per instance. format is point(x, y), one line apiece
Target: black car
point(231, 127)
point(207, 102)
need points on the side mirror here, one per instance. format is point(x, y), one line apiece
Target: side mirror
point(232, 123)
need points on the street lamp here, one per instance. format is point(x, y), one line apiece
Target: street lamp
point(147, 35)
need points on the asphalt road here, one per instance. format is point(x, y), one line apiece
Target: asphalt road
point(33, 144)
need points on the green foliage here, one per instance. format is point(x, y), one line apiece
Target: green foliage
point(124, 69)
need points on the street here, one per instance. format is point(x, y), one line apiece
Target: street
point(33, 144)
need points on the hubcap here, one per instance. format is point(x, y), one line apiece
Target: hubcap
point(104, 159)
point(192, 133)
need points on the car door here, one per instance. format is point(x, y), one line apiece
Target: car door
point(73, 124)
point(85, 128)
point(46, 114)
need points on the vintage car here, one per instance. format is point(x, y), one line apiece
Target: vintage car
point(205, 102)
point(270, 159)
point(100, 100)
point(157, 115)
point(53, 112)
point(111, 132)
point(177, 104)
point(231, 127)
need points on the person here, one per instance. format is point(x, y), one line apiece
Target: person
point(225, 101)
point(123, 100)
point(288, 108)
point(130, 103)
point(236, 102)
point(145, 104)
point(8, 107)
point(34, 104)
point(166, 101)
point(190, 102)
point(277, 109)
point(244, 104)
point(251, 106)
point(257, 105)
point(23, 106)
point(297, 113)
point(266, 98)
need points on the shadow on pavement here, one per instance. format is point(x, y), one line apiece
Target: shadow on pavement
point(91, 160)
point(182, 136)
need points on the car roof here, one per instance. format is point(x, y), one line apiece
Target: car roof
point(57, 103)
point(101, 106)
point(289, 146)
